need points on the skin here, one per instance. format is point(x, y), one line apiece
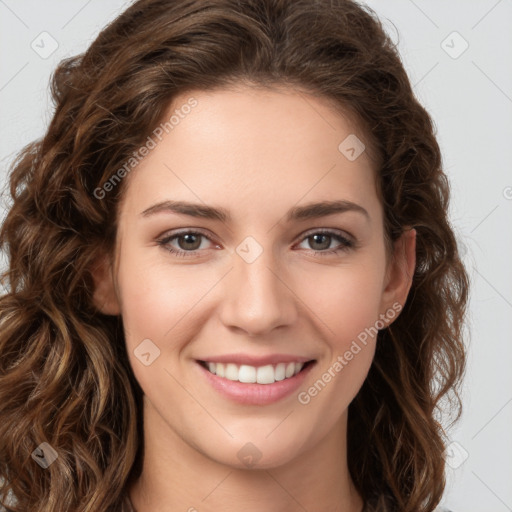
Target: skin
point(256, 153)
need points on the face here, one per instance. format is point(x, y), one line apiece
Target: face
point(253, 275)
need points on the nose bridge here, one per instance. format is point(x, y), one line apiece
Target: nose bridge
point(257, 298)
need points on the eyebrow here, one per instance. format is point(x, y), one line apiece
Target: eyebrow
point(305, 212)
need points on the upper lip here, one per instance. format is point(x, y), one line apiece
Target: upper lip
point(252, 360)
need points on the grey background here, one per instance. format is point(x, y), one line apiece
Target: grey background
point(470, 100)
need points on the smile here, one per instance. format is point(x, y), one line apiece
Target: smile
point(267, 374)
point(255, 385)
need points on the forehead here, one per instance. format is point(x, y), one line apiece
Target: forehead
point(252, 147)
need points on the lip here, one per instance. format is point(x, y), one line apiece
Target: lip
point(254, 393)
point(253, 360)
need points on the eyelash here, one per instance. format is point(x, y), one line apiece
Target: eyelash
point(346, 243)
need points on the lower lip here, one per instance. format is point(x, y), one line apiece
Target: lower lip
point(254, 393)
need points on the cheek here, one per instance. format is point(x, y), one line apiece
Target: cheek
point(347, 304)
point(345, 299)
point(155, 297)
point(156, 306)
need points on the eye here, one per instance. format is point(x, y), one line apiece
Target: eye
point(322, 240)
point(189, 243)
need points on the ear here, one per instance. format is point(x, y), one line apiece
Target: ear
point(400, 271)
point(104, 296)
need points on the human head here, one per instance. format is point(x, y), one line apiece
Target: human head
point(108, 103)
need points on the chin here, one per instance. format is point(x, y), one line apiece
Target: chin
point(254, 454)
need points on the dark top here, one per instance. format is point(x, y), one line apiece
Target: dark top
point(128, 507)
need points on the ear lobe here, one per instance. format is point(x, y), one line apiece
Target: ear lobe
point(400, 270)
point(104, 295)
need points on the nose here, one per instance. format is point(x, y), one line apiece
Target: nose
point(257, 297)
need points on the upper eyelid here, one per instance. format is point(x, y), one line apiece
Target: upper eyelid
point(335, 231)
point(174, 234)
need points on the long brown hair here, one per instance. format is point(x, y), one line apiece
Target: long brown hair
point(64, 373)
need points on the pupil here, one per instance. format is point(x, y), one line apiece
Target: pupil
point(321, 236)
point(189, 239)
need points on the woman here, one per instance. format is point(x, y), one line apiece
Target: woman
point(295, 355)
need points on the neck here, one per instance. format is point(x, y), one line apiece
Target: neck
point(178, 477)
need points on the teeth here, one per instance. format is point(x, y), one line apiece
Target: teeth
point(246, 373)
point(280, 372)
point(251, 374)
point(265, 375)
point(231, 371)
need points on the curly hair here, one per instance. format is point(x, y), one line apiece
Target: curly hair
point(65, 377)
